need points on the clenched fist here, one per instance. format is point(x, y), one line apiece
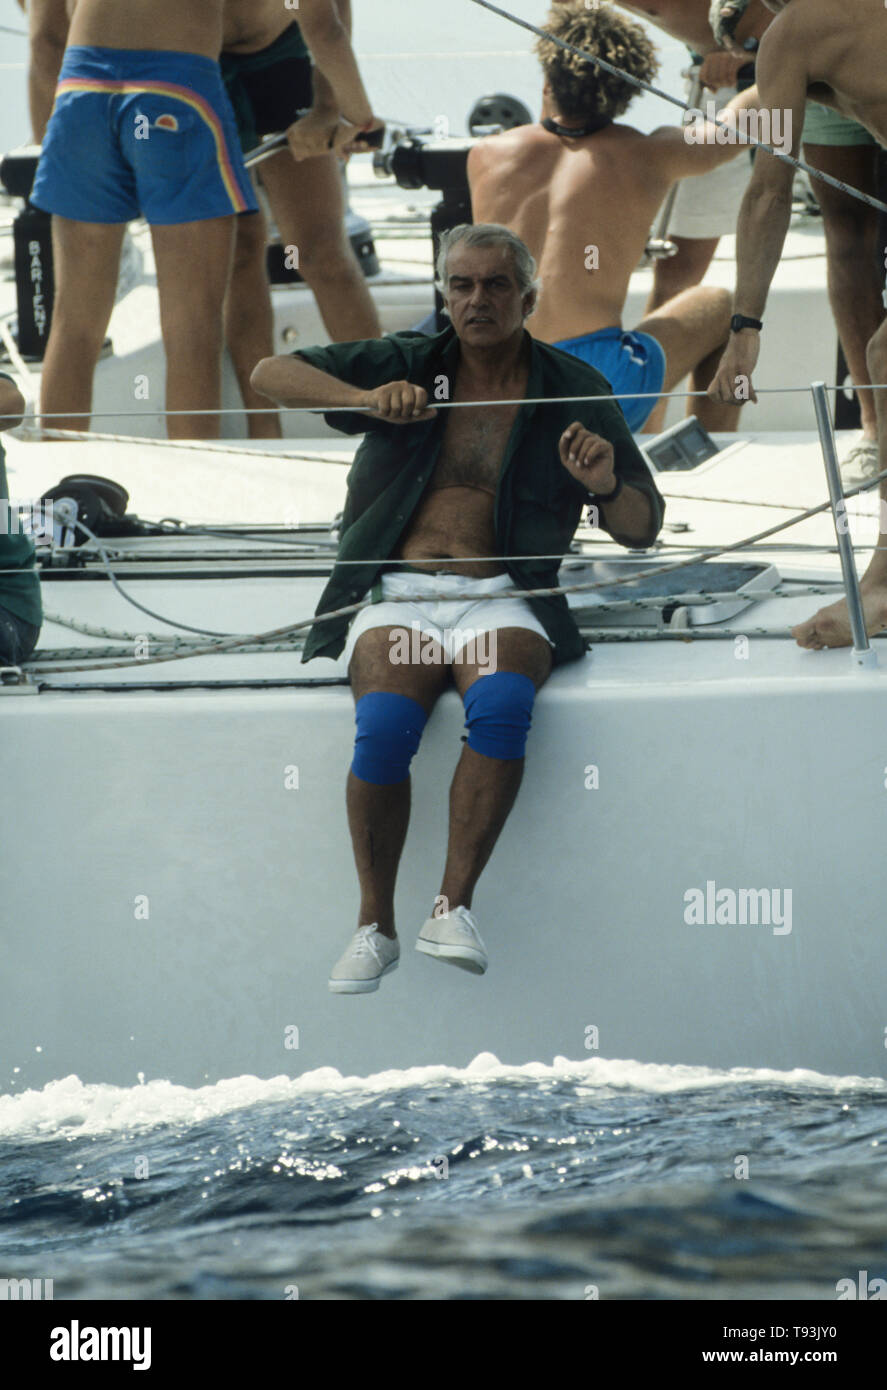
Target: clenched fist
point(398, 402)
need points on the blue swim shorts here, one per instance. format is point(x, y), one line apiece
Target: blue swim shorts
point(629, 361)
point(141, 131)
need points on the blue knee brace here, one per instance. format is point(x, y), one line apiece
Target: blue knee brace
point(498, 710)
point(389, 728)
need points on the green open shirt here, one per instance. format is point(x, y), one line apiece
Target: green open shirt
point(538, 503)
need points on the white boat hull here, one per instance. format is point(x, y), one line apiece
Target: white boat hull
point(171, 908)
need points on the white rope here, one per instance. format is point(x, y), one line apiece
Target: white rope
point(615, 606)
point(270, 641)
point(167, 639)
point(210, 446)
point(185, 649)
point(34, 435)
point(434, 405)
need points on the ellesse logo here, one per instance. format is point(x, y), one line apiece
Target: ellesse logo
point(167, 122)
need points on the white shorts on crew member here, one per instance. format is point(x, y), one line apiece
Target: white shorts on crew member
point(708, 206)
point(451, 608)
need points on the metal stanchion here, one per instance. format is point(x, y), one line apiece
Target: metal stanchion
point(863, 654)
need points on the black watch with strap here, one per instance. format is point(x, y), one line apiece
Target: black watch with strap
point(739, 321)
point(596, 498)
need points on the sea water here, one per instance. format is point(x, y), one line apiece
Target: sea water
point(594, 1180)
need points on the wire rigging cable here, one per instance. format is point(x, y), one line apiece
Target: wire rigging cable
point(32, 434)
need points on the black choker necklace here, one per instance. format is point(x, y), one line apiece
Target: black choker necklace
point(592, 125)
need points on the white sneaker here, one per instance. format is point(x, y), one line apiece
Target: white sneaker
point(368, 956)
point(861, 463)
point(454, 938)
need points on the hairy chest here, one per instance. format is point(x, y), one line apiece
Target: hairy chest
point(473, 448)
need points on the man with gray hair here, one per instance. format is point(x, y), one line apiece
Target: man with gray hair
point(451, 509)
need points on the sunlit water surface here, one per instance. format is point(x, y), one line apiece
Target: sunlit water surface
point(598, 1179)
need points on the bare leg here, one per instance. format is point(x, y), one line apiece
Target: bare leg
point(484, 789)
point(851, 238)
point(249, 329)
point(87, 259)
point(671, 276)
point(674, 274)
point(309, 209)
point(193, 264)
point(830, 627)
point(378, 816)
point(693, 330)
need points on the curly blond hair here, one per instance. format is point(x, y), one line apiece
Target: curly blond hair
point(579, 88)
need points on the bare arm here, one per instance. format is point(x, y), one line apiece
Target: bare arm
point(327, 34)
point(12, 405)
point(289, 381)
point(48, 35)
point(324, 96)
point(629, 520)
point(694, 149)
point(590, 459)
point(760, 233)
point(326, 127)
point(766, 208)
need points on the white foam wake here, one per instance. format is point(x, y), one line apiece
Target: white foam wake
point(69, 1107)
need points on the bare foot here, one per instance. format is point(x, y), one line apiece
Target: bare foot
point(830, 627)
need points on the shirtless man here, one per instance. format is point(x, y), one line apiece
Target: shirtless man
point(584, 204)
point(141, 124)
point(810, 50)
point(267, 68)
point(843, 148)
point(447, 493)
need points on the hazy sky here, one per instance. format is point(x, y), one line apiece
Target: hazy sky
point(431, 59)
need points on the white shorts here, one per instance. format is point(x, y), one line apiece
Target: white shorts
point(708, 206)
point(453, 621)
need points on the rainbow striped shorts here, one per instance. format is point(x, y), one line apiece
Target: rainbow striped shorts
point(141, 132)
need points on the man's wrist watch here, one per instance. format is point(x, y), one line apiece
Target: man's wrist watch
point(740, 321)
point(603, 497)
